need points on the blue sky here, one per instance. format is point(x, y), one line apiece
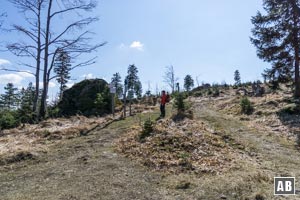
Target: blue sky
point(208, 39)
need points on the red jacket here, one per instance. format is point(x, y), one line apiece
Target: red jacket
point(163, 100)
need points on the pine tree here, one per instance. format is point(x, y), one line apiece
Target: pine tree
point(2, 102)
point(28, 96)
point(276, 35)
point(116, 81)
point(237, 77)
point(25, 111)
point(132, 81)
point(9, 98)
point(125, 96)
point(132, 76)
point(188, 82)
point(138, 89)
point(62, 68)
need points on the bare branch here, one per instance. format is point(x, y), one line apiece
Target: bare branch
point(2, 15)
point(83, 64)
point(28, 65)
point(21, 50)
point(77, 24)
point(80, 7)
point(16, 70)
point(170, 78)
point(26, 32)
point(26, 5)
point(86, 63)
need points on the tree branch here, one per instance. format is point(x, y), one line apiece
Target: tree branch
point(26, 32)
point(77, 24)
point(80, 7)
point(16, 70)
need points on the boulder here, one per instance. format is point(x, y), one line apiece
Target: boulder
point(88, 97)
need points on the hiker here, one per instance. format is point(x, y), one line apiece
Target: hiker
point(163, 101)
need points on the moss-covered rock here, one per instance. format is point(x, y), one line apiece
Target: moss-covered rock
point(83, 98)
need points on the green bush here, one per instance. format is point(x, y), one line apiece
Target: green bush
point(198, 94)
point(54, 112)
point(26, 115)
point(216, 92)
point(8, 120)
point(179, 103)
point(100, 101)
point(147, 129)
point(185, 94)
point(209, 92)
point(246, 106)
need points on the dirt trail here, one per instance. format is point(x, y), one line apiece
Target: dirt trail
point(274, 155)
point(87, 168)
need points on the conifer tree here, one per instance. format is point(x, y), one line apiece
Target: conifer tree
point(276, 35)
point(62, 68)
point(28, 96)
point(138, 89)
point(9, 98)
point(2, 102)
point(132, 81)
point(25, 111)
point(116, 81)
point(237, 77)
point(188, 82)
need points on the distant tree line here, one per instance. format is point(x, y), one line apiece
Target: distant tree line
point(16, 106)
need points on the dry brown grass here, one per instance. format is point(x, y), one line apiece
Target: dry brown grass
point(266, 116)
point(38, 137)
point(179, 147)
point(35, 138)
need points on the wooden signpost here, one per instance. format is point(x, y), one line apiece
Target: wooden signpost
point(112, 92)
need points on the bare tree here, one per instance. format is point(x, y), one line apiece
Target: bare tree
point(169, 77)
point(197, 80)
point(74, 45)
point(47, 38)
point(2, 15)
point(32, 11)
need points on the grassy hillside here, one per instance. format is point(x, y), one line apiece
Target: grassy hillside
point(217, 153)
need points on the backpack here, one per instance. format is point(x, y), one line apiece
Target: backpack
point(168, 98)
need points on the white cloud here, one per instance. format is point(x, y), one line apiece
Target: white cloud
point(88, 76)
point(15, 78)
point(3, 61)
point(11, 78)
point(137, 45)
point(25, 74)
point(52, 84)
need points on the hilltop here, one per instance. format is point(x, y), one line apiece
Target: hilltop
point(216, 153)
